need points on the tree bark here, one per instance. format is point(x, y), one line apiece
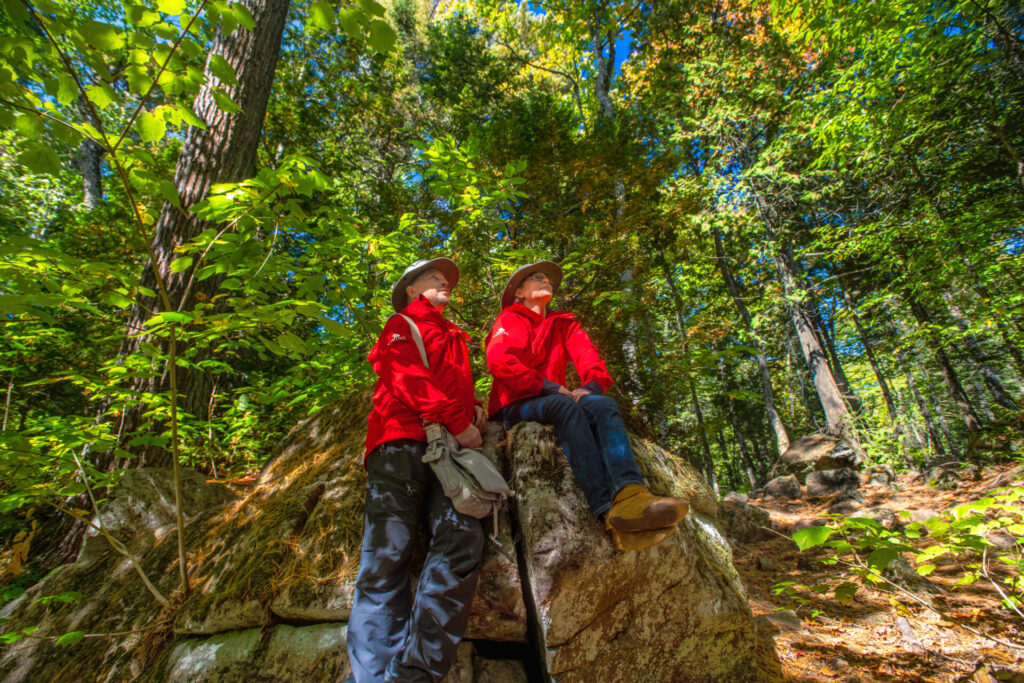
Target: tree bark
point(781, 435)
point(883, 383)
point(926, 413)
point(979, 357)
point(741, 442)
point(837, 416)
point(709, 463)
point(224, 152)
point(956, 390)
point(89, 155)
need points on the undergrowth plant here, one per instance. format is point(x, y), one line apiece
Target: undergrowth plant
point(962, 539)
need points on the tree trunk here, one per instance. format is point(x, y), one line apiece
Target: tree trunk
point(979, 357)
point(883, 384)
point(781, 435)
point(741, 442)
point(834, 363)
point(837, 417)
point(709, 463)
point(956, 390)
point(89, 154)
point(730, 468)
point(926, 413)
point(224, 152)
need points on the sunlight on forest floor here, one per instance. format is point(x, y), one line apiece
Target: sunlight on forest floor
point(861, 641)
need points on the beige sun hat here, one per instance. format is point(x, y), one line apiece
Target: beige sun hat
point(549, 268)
point(400, 300)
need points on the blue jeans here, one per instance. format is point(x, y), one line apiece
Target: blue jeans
point(593, 438)
point(392, 637)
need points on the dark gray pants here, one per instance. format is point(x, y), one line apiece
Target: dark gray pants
point(392, 637)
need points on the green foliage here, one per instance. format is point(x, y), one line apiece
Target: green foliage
point(960, 537)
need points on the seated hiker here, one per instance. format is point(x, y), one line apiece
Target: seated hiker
point(392, 637)
point(527, 352)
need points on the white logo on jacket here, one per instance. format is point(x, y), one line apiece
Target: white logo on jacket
point(396, 337)
point(500, 331)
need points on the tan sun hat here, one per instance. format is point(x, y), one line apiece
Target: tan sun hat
point(549, 268)
point(400, 300)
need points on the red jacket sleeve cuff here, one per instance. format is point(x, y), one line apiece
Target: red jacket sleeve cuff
point(459, 425)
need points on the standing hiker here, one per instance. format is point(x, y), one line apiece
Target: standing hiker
point(392, 637)
point(527, 351)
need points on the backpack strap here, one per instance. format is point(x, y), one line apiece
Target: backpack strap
point(417, 338)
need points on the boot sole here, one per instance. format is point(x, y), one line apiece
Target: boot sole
point(670, 515)
point(651, 538)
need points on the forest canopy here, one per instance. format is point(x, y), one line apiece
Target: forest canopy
point(775, 218)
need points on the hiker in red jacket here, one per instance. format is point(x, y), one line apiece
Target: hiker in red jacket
point(527, 351)
point(392, 637)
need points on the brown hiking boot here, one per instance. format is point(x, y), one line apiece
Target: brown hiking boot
point(640, 540)
point(637, 509)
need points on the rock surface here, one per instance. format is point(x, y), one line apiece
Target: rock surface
point(744, 522)
point(815, 452)
point(286, 550)
point(827, 482)
point(784, 487)
point(598, 620)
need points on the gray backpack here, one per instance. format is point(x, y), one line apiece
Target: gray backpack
point(467, 476)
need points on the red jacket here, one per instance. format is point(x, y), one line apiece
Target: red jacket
point(524, 349)
point(408, 393)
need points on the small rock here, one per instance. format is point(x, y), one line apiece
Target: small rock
point(884, 516)
point(805, 564)
point(744, 522)
point(1001, 540)
point(785, 619)
point(845, 507)
point(826, 482)
point(817, 521)
point(882, 475)
point(923, 515)
point(734, 497)
point(784, 487)
point(765, 564)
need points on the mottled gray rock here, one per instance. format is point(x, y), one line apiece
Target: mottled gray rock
point(734, 497)
point(786, 620)
point(827, 482)
point(884, 516)
point(288, 549)
point(744, 522)
point(597, 621)
point(280, 653)
point(845, 507)
point(784, 487)
point(923, 515)
point(883, 475)
point(815, 452)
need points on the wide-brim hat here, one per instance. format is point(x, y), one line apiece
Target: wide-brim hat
point(549, 268)
point(400, 300)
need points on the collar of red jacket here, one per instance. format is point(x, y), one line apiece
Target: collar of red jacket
point(421, 309)
point(532, 315)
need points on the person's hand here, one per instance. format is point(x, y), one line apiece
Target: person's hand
point(577, 394)
point(480, 418)
point(564, 392)
point(469, 437)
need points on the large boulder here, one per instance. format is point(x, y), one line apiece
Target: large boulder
point(816, 452)
point(272, 576)
point(606, 615)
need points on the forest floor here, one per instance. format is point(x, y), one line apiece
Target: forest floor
point(866, 639)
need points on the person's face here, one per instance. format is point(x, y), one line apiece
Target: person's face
point(433, 285)
point(536, 288)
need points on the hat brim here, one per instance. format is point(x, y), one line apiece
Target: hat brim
point(400, 300)
point(549, 268)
